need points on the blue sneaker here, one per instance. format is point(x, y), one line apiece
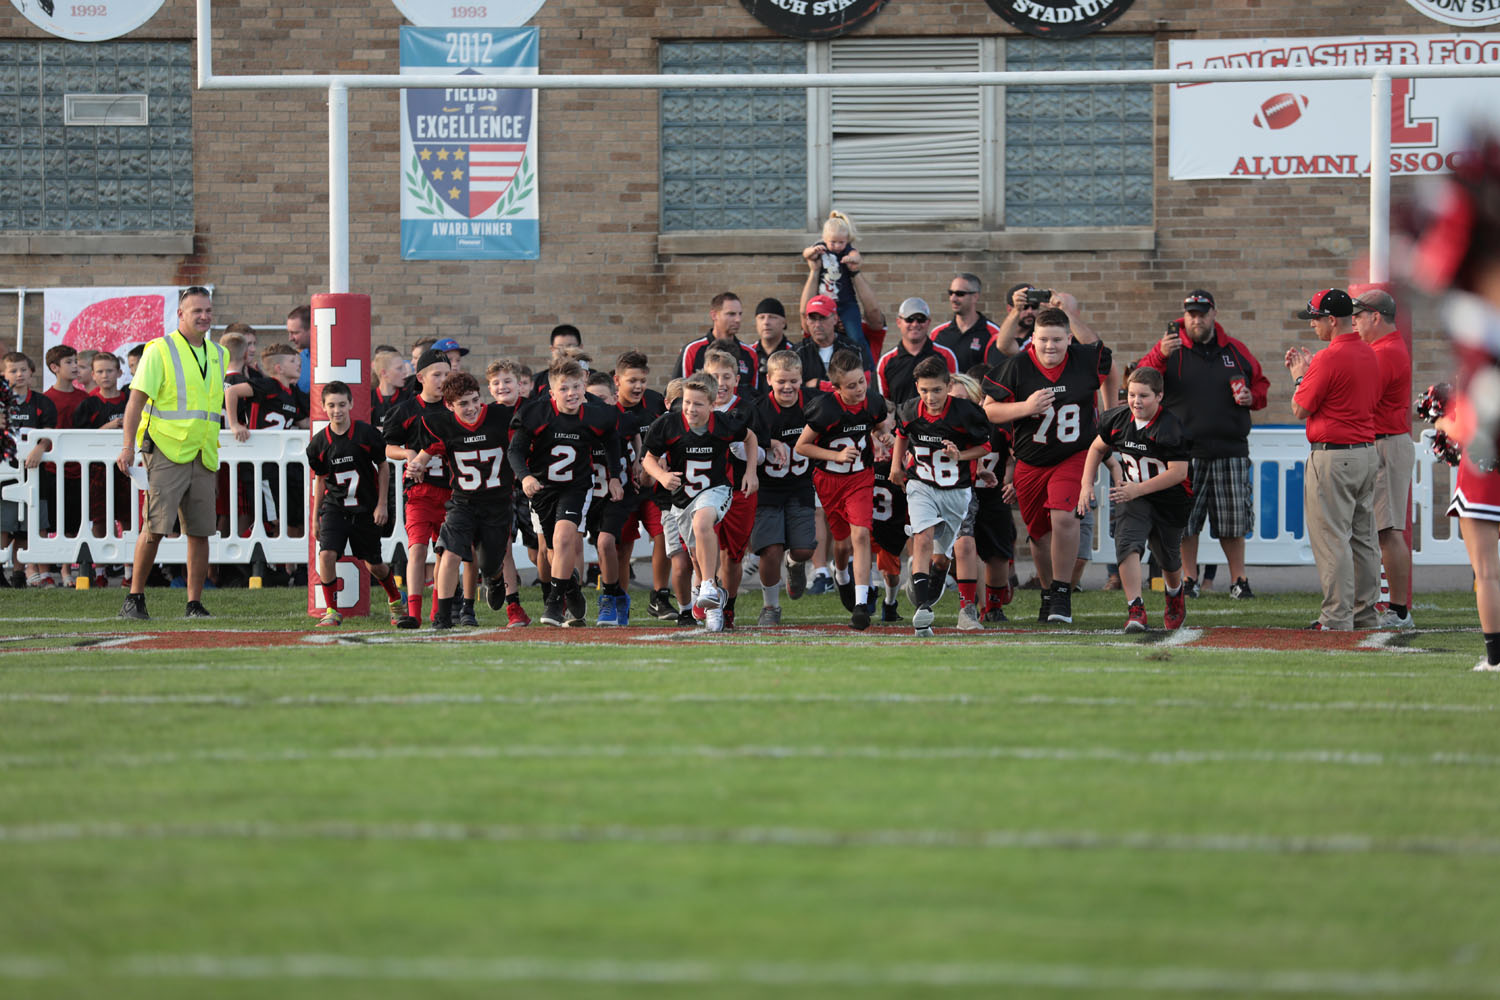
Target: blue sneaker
point(822, 584)
point(622, 611)
point(607, 611)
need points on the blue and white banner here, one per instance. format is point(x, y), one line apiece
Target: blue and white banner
point(468, 154)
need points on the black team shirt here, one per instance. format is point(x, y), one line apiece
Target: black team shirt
point(1068, 427)
point(557, 448)
point(838, 426)
point(1145, 451)
point(403, 428)
point(701, 457)
point(96, 411)
point(960, 421)
point(476, 453)
point(791, 480)
point(350, 466)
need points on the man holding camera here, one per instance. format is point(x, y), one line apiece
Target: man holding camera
point(1212, 384)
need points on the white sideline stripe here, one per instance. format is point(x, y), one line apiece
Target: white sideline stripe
point(1168, 758)
point(706, 972)
point(415, 699)
point(434, 830)
point(1182, 637)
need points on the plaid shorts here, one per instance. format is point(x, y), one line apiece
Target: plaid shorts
point(1222, 496)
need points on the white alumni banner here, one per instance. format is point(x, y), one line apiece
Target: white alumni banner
point(1321, 128)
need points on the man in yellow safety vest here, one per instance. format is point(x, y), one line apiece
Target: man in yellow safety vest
point(179, 390)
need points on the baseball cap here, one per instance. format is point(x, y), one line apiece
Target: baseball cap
point(1376, 301)
point(912, 307)
point(432, 356)
point(821, 305)
point(449, 344)
point(1328, 302)
point(772, 306)
point(1198, 301)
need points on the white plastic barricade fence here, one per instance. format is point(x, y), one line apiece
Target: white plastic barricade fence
point(254, 477)
point(273, 465)
point(1279, 536)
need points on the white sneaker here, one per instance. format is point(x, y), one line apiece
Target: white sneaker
point(968, 619)
point(923, 633)
point(922, 619)
point(1389, 619)
point(713, 620)
point(708, 596)
point(1486, 667)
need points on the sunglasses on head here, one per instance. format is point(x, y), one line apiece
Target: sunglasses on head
point(193, 290)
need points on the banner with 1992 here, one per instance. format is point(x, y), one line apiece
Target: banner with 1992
point(469, 154)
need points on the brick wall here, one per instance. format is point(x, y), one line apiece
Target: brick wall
point(261, 190)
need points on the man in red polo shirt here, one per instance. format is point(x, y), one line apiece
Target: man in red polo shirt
point(1375, 322)
point(1336, 393)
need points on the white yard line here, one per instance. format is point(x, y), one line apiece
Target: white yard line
point(718, 972)
point(1153, 757)
point(418, 699)
point(799, 837)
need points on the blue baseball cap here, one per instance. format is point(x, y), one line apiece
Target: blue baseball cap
point(449, 344)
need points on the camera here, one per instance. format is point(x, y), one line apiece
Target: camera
point(1038, 296)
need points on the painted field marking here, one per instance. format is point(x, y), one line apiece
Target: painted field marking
point(419, 699)
point(710, 972)
point(772, 836)
point(1181, 757)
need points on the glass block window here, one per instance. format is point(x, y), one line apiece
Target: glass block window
point(96, 178)
point(1079, 156)
point(733, 159)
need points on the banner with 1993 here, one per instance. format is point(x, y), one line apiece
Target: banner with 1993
point(469, 154)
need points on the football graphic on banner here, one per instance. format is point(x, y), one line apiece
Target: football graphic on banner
point(1279, 111)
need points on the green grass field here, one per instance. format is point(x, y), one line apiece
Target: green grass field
point(1243, 810)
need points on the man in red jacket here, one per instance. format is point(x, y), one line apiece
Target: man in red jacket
point(1212, 383)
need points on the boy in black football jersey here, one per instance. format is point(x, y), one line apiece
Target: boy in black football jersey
point(104, 409)
point(632, 372)
point(942, 435)
point(350, 476)
point(472, 437)
point(839, 437)
point(1049, 391)
point(506, 382)
point(550, 452)
point(786, 516)
point(34, 411)
point(1155, 498)
point(426, 492)
point(688, 454)
point(606, 519)
point(735, 527)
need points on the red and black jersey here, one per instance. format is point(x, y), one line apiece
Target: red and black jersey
point(701, 457)
point(557, 447)
point(1145, 451)
point(967, 345)
point(403, 428)
point(960, 421)
point(838, 426)
point(691, 361)
point(893, 371)
point(66, 402)
point(475, 452)
point(995, 460)
point(96, 411)
point(1068, 427)
point(744, 411)
point(34, 412)
point(273, 406)
point(382, 405)
point(350, 466)
point(652, 405)
point(626, 428)
point(792, 479)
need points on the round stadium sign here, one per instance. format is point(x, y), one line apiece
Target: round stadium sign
point(1464, 13)
point(90, 21)
point(1059, 18)
point(812, 18)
